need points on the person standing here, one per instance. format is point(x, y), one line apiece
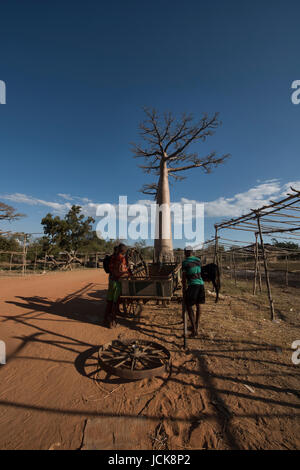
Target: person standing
point(118, 269)
point(193, 287)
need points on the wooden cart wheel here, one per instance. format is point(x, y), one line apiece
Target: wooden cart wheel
point(135, 359)
point(136, 263)
point(132, 308)
point(123, 307)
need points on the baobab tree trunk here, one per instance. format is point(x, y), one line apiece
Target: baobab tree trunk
point(163, 245)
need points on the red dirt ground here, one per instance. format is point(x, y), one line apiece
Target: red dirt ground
point(233, 388)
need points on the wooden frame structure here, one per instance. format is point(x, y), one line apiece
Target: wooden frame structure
point(277, 217)
point(47, 261)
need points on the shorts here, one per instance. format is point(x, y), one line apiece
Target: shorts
point(195, 294)
point(114, 291)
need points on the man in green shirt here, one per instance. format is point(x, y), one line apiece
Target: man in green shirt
point(193, 287)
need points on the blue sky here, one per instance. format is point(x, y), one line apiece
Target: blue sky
point(78, 74)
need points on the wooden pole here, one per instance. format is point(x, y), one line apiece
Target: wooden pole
point(216, 247)
point(10, 262)
point(266, 269)
point(287, 271)
point(259, 275)
point(256, 264)
point(24, 255)
point(184, 318)
point(234, 268)
point(35, 258)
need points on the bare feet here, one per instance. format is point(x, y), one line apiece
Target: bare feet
point(193, 334)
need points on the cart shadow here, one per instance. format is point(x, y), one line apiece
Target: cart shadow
point(136, 324)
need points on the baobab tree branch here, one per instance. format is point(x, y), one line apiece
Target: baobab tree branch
point(182, 131)
point(149, 189)
point(168, 119)
point(150, 128)
point(150, 169)
point(176, 177)
point(167, 141)
point(203, 130)
point(206, 164)
point(139, 152)
point(8, 212)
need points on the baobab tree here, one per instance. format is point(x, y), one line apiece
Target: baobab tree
point(8, 212)
point(168, 151)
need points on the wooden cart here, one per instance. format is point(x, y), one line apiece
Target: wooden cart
point(159, 282)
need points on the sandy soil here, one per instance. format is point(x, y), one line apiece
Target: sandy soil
point(235, 387)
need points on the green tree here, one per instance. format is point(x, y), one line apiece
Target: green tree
point(285, 245)
point(69, 234)
point(37, 248)
point(8, 244)
point(291, 248)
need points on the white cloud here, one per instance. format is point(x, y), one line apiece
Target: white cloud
point(287, 187)
point(32, 201)
point(65, 196)
point(89, 208)
point(254, 198)
point(75, 199)
point(234, 206)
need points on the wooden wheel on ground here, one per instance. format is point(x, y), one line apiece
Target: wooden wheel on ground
point(135, 359)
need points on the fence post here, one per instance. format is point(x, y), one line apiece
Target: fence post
point(24, 255)
point(266, 269)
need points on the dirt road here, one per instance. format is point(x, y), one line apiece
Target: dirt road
point(233, 388)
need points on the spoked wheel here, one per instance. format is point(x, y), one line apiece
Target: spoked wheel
point(132, 308)
point(136, 263)
point(134, 360)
